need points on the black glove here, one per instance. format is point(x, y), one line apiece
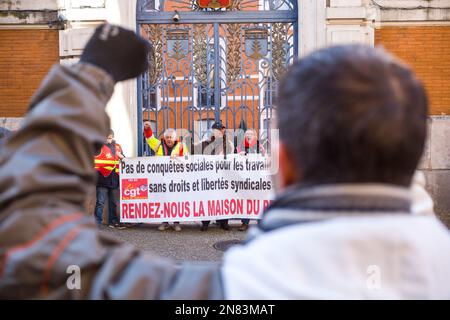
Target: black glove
point(118, 51)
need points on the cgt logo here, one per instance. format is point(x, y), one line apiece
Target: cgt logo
point(134, 189)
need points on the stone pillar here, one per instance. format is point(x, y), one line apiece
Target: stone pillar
point(81, 18)
point(350, 21)
point(311, 25)
point(324, 23)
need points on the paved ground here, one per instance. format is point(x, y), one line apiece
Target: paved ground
point(188, 244)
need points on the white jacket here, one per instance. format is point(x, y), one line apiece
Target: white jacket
point(346, 256)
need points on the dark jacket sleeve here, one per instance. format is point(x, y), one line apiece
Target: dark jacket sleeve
point(46, 172)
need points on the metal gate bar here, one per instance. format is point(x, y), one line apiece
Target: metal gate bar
point(237, 74)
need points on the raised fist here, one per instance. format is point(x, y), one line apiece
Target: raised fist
point(118, 51)
point(147, 130)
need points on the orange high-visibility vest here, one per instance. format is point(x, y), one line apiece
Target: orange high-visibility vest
point(106, 162)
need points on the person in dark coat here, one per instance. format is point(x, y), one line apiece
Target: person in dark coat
point(218, 144)
point(107, 167)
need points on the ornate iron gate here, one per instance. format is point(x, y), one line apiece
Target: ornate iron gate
point(222, 62)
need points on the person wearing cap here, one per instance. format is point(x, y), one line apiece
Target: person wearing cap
point(169, 145)
point(218, 144)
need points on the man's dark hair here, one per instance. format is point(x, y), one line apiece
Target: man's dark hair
point(352, 114)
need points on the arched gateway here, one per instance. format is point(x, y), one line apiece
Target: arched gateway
point(214, 59)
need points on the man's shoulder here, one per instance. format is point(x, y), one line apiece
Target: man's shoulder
point(387, 226)
point(321, 254)
point(354, 236)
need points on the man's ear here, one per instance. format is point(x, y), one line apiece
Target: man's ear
point(289, 173)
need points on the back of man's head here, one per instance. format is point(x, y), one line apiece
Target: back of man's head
point(352, 114)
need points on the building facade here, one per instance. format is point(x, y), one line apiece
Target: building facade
point(231, 86)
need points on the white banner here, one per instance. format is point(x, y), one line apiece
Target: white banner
point(194, 188)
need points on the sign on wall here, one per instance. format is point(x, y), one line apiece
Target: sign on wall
point(195, 188)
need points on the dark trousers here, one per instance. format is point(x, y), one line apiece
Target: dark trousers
point(220, 222)
point(245, 221)
point(113, 198)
